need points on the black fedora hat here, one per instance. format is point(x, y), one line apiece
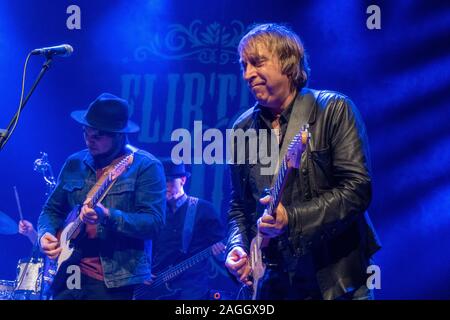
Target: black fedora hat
point(107, 113)
point(173, 170)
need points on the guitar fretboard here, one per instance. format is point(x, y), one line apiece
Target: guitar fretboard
point(185, 265)
point(101, 192)
point(175, 271)
point(98, 195)
point(282, 173)
point(276, 190)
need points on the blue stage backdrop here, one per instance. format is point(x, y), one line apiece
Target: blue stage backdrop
point(176, 63)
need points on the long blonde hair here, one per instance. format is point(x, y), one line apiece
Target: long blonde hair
point(285, 44)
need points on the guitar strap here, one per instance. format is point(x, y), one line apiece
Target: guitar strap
point(189, 223)
point(106, 172)
point(300, 115)
point(301, 111)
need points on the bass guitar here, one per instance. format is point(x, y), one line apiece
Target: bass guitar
point(160, 288)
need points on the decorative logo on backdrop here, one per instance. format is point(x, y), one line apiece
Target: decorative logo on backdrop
point(213, 43)
point(167, 99)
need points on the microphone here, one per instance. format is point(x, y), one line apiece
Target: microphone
point(64, 50)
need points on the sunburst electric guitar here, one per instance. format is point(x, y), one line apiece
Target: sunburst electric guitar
point(290, 161)
point(68, 237)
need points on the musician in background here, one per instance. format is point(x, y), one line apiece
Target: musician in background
point(42, 165)
point(321, 235)
point(113, 257)
point(26, 228)
point(192, 225)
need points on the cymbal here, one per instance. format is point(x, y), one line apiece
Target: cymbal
point(7, 225)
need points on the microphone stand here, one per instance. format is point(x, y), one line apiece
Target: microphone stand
point(4, 134)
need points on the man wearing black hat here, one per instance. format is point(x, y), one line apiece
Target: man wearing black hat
point(192, 225)
point(113, 258)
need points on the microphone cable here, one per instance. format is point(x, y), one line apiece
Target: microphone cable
point(10, 131)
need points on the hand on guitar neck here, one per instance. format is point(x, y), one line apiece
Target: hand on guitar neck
point(272, 225)
point(93, 215)
point(218, 250)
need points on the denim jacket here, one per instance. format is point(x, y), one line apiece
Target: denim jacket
point(137, 212)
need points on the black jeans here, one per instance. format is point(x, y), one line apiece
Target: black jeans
point(92, 289)
point(300, 284)
point(279, 285)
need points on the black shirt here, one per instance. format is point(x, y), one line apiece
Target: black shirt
point(266, 117)
point(208, 229)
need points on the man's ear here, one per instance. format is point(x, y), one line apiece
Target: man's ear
point(183, 180)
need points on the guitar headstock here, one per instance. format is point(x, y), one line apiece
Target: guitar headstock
point(121, 166)
point(296, 147)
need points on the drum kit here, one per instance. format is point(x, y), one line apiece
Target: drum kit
point(28, 284)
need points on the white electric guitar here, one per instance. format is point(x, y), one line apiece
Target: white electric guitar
point(69, 235)
point(290, 161)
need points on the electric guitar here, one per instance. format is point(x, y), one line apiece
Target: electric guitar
point(70, 235)
point(290, 161)
point(160, 288)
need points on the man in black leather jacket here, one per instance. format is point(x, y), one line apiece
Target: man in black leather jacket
point(321, 237)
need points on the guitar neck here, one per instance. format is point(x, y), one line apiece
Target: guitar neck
point(100, 194)
point(96, 198)
point(185, 265)
point(291, 159)
point(175, 271)
point(278, 187)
